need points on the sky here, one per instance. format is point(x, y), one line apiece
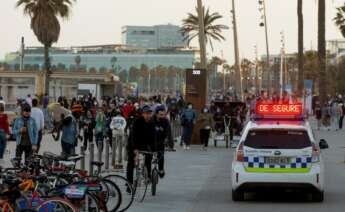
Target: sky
point(94, 23)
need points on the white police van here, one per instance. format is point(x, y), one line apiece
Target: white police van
point(278, 150)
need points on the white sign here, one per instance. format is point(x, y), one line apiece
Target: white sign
point(196, 72)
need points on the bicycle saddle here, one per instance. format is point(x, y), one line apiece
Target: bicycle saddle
point(97, 163)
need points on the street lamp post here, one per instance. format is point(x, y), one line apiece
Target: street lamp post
point(262, 9)
point(237, 54)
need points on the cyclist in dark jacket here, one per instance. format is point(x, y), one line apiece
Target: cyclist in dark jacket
point(163, 132)
point(142, 137)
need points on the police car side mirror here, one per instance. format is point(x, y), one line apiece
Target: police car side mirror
point(323, 144)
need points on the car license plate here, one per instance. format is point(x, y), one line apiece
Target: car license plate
point(277, 160)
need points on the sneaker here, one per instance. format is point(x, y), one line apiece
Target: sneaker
point(161, 174)
point(184, 147)
point(188, 147)
point(128, 190)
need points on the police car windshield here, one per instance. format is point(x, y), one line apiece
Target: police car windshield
point(277, 139)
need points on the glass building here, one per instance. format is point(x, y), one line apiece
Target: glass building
point(153, 37)
point(116, 57)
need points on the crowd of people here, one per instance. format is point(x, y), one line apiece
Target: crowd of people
point(136, 124)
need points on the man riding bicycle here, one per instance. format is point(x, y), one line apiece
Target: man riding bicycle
point(163, 132)
point(141, 138)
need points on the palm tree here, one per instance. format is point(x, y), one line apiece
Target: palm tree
point(113, 61)
point(133, 74)
point(77, 61)
point(45, 24)
point(322, 50)
point(213, 31)
point(300, 46)
point(340, 19)
point(144, 74)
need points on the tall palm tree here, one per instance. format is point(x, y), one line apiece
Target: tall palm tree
point(340, 19)
point(213, 31)
point(322, 50)
point(45, 24)
point(300, 46)
point(144, 74)
point(77, 61)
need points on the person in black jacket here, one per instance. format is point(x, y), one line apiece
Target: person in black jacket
point(142, 138)
point(163, 133)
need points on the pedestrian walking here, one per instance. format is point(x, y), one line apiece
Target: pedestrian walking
point(341, 117)
point(25, 131)
point(29, 100)
point(88, 124)
point(318, 115)
point(47, 118)
point(59, 112)
point(118, 126)
point(206, 123)
point(4, 130)
point(69, 136)
point(100, 129)
point(326, 116)
point(336, 113)
point(187, 121)
point(2, 101)
point(37, 115)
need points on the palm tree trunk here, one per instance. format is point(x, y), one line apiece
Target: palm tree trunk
point(322, 51)
point(202, 42)
point(47, 68)
point(238, 77)
point(300, 47)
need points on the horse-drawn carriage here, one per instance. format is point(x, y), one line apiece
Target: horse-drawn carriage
point(229, 120)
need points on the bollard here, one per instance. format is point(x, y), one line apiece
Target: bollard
point(100, 152)
point(120, 143)
point(107, 154)
point(82, 161)
point(91, 149)
point(113, 150)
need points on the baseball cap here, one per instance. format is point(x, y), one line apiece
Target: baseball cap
point(146, 108)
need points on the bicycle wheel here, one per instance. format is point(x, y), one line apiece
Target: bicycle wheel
point(140, 184)
point(56, 204)
point(114, 196)
point(155, 178)
point(89, 204)
point(126, 189)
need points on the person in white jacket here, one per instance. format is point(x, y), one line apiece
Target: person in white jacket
point(37, 115)
point(118, 125)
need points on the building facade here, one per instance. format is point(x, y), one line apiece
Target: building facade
point(153, 37)
point(103, 57)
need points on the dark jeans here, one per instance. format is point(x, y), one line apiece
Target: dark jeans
point(67, 149)
point(3, 142)
point(131, 165)
point(341, 122)
point(88, 137)
point(160, 155)
point(187, 134)
point(39, 139)
point(205, 136)
point(99, 141)
point(27, 150)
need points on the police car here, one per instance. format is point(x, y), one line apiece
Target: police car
point(278, 150)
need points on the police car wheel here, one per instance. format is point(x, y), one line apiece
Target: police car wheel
point(237, 195)
point(317, 196)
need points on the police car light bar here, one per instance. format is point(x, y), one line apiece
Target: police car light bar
point(279, 111)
